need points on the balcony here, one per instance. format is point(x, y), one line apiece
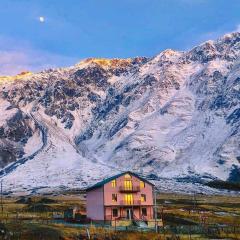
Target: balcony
point(130, 203)
point(129, 189)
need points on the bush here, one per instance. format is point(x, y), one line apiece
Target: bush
point(224, 185)
point(47, 201)
point(39, 207)
point(24, 200)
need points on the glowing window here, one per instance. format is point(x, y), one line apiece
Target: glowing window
point(143, 197)
point(128, 184)
point(128, 199)
point(114, 183)
point(142, 184)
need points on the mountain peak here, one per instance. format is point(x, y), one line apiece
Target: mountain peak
point(110, 63)
point(106, 62)
point(168, 55)
point(229, 37)
point(16, 77)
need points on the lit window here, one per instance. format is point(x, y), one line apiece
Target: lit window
point(128, 199)
point(115, 212)
point(114, 197)
point(114, 183)
point(128, 184)
point(142, 184)
point(143, 197)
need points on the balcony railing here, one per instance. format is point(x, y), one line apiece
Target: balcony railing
point(129, 189)
point(130, 203)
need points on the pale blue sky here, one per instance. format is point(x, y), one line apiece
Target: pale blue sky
point(76, 29)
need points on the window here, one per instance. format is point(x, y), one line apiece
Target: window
point(143, 197)
point(114, 183)
point(128, 199)
point(115, 212)
point(127, 176)
point(144, 212)
point(128, 184)
point(114, 197)
point(142, 184)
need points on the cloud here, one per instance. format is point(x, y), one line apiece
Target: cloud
point(18, 56)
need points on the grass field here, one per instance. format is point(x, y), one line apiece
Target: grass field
point(184, 217)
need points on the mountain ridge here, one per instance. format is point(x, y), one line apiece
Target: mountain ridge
point(157, 116)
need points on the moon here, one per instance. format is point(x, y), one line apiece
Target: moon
point(41, 19)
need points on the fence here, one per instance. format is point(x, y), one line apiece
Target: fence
point(207, 230)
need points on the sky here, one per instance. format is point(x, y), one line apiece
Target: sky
point(39, 34)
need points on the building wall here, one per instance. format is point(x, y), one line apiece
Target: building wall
point(95, 204)
point(109, 204)
point(137, 211)
point(100, 203)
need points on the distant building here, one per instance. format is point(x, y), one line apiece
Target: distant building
point(123, 196)
point(70, 213)
point(74, 214)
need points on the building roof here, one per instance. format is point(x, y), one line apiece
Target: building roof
point(107, 180)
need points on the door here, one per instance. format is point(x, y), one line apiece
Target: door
point(129, 213)
point(144, 212)
point(128, 184)
point(128, 199)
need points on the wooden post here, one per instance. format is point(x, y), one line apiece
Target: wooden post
point(189, 229)
point(2, 195)
point(155, 208)
point(88, 233)
point(111, 214)
point(132, 216)
point(194, 202)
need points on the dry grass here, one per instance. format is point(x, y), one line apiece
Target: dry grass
point(177, 210)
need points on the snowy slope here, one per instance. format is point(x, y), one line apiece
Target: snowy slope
point(173, 118)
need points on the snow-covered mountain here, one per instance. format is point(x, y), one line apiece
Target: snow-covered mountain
point(173, 118)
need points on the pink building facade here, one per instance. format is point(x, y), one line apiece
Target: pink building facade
point(124, 196)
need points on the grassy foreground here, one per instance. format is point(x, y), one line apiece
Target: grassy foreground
point(184, 217)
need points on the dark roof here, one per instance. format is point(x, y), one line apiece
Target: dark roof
point(107, 180)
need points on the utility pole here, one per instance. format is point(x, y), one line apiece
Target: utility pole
point(155, 208)
point(2, 195)
point(194, 201)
